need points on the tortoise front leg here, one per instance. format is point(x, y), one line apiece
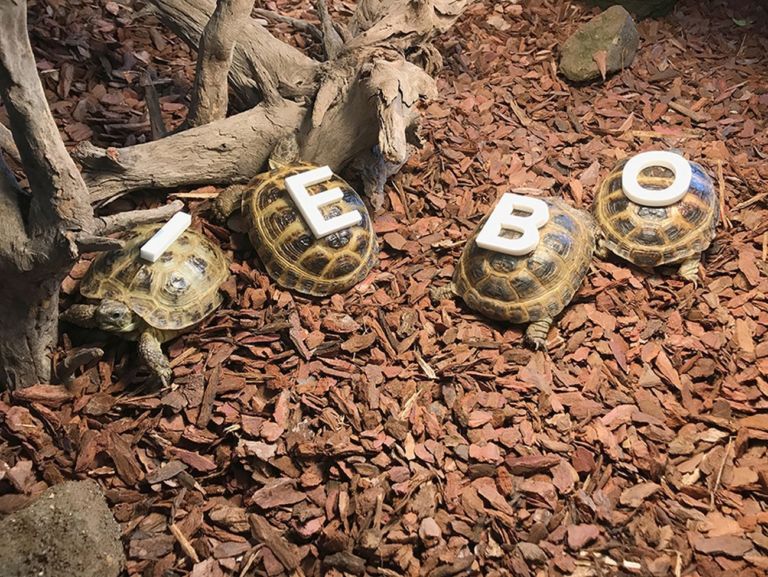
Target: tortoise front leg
point(81, 315)
point(689, 269)
point(442, 292)
point(536, 333)
point(152, 354)
point(601, 251)
point(227, 202)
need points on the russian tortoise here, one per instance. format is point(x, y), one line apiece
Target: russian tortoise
point(291, 254)
point(655, 236)
point(532, 288)
point(152, 302)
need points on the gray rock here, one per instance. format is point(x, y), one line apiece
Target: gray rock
point(67, 532)
point(613, 31)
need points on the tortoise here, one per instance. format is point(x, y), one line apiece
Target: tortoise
point(532, 288)
point(290, 253)
point(152, 302)
point(650, 236)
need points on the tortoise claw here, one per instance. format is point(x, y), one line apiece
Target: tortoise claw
point(689, 270)
point(536, 334)
point(536, 344)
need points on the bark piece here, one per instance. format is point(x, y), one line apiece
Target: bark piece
point(285, 552)
point(580, 535)
point(68, 532)
point(635, 496)
point(7, 143)
point(48, 395)
point(276, 494)
point(531, 463)
point(726, 545)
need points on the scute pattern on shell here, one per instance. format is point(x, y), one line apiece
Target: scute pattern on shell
point(178, 290)
point(654, 236)
point(530, 287)
point(293, 257)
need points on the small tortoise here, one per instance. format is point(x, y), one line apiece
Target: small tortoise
point(654, 236)
point(152, 302)
point(291, 254)
point(533, 288)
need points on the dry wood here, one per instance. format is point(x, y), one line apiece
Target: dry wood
point(8, 145)
point(340, 127)
point(286, 553)
point(294, 72)
point(231, 150)
point(153, 108)
point(297, 23)
point(189, 551)
point(210, 94)
point(683, 109)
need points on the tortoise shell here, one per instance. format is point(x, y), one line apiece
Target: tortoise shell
point(653, 236)
point(534, 286)
point(291, 254)
point(178, 290)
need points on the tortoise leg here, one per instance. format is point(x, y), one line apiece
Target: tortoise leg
point(536, 333)
point(81, 315)
point(600, 249)
point(227, 203)
point(286, 151)
point(152, 354)
point(441, 292)
point(689, 269)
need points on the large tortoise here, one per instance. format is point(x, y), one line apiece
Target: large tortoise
point(291, 254)
point(152, 302)
point(651, 236)
point(532, 288)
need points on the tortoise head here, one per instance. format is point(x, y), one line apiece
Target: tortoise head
point(285, 152)
point(115, 317)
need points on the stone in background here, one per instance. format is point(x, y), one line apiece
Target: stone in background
point(67, 532)
point(611, 35)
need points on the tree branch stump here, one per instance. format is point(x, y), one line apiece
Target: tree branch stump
point(210, 95)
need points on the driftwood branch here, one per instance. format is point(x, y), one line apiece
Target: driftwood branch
point(8, 145)
point(14, 249)
point(297, 23)
point(332, 41)
point(402, 24)
point(60, 198)
point(156, 122)
point(125, 220)
point(227, 151)
point(210, 95)
point(295, 73)
point(365, 97)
